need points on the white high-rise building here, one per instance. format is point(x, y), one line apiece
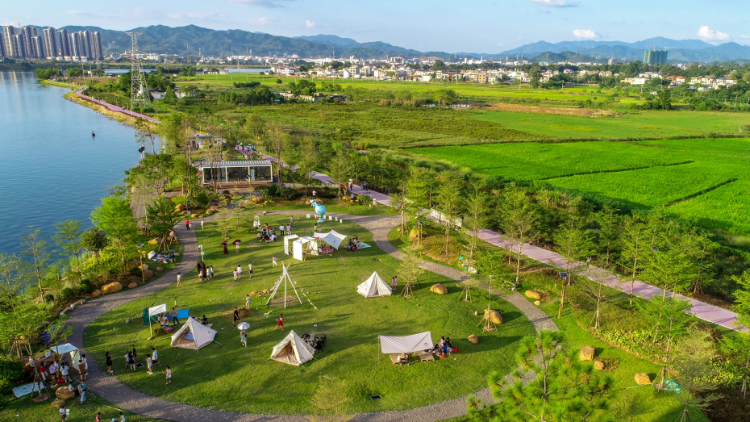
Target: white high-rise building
point(98, 49)
point(50, 43)
point(64, 44)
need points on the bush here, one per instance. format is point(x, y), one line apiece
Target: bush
point(10, 371)
point(49, 298)
point(85, 286)
point(135, 271)
point(67, 293)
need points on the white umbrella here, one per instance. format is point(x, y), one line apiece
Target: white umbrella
point(243, 326)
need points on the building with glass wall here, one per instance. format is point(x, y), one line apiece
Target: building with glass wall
point(237, 173)
point(652, 57)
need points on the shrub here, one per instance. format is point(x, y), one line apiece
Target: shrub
point(67, 293)
point(49, 298)
point(10, 371)
point(135, 271)
point(85, 286)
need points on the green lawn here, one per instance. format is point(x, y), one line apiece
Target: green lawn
point(21, 410)
point(227, 376)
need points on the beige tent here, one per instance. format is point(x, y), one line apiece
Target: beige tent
point(293, 350)
point(193, 335)
point(374, 287)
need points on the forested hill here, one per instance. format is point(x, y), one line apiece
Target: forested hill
point(186, 41)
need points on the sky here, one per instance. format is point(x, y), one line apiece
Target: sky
point(478, 26)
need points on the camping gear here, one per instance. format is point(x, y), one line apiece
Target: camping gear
point(67, 348)
point(284, 278)
point(374, 287)
point(25, 389)
point(408, 344)
point(193, 335)
point(243, 326)
point(292, 350)
point(333, 238)
point(304, 246)
point(153, 314)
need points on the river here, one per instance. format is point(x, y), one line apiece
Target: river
point(52, 168)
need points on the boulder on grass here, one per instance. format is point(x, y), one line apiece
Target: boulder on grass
point(181, 207)
point(148, 275)
point(132, 285)
point(439, 289)
point(266, 291)
point(533, 294)
point(587, 353)
point(59, 403)
point(97, 292)
point(64, 393)
point(599, 365)
point(494, 316)
point(213, 208)
point(642, 379)
point(160, 269)
point(537, 302)
point(473, 339)
point(112, 287)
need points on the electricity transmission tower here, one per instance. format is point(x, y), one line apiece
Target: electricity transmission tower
point(139, 95)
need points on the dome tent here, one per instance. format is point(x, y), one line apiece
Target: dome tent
point(193, 335)
point(292, 350)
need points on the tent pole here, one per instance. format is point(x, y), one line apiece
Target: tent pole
point(285, 281)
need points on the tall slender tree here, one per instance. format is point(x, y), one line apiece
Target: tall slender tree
point(449, 200)
point(520, 221)
point(574, 243)
point(38, 257)
point(69, 238)
point(742, 309)
point(634, 244)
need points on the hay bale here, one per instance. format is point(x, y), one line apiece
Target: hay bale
point(112, 287)
point(97, 292)
point(599, 365)
point(266, 291)
point(148, 275)
point(533, 294)
point(494, 316)
point(64, 393)
point(473, 339)
point(537, 302)
point(439, 289)
point(587, 353)
point(132, 285)
point(642, 379)
point(413, 234)
point(181, 207)
point(58, 403)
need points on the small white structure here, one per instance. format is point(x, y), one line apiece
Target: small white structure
point(333, 238)
point(304, 246)
point(374, 287)
point(292, 350)
point(287, 240)
point(193, 335)
point(409, 344)
point(62, 349)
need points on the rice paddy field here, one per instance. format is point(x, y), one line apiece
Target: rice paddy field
point(704, 180)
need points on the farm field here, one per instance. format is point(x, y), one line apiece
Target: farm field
point(638, 174)
point(228, 376)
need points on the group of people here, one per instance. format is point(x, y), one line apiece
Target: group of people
point(353, 244)
point(444, 347)
point(59, 370)
point(131, 360)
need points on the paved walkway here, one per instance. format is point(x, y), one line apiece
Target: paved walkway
point(112, 390)
point(114, 108)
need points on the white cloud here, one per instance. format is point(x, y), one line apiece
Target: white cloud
point(261, 3)
point(192, 15)
point(310, 24)
point(555, 3)
point(707, 34)
point(585, 34)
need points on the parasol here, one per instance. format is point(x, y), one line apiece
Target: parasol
point(236, 242)
point(243, 326)
point(224, 243)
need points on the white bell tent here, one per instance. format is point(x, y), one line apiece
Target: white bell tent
point(409, 344)
point(193, 335)
point(292, 350)
point(374, 287)
point(333, 238)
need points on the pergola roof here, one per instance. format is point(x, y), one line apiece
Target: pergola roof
point(249, 163)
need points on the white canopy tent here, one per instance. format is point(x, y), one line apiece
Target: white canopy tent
point(374, 287)
point(409, 344)
point(333, 238)
point(292, 350)
point(62, 349)
point(288, 239)
point(193, 335)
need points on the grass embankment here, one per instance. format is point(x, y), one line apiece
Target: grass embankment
point(227, 376)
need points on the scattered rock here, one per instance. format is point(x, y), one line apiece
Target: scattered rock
point(112, 287)
point(439, 289)
point(180, 207)
point(160, 269)
point(473, 339)
point(213, 208)
point(64, 393)
point(193, 215)
point(58, 403)
point(642, 379)
point(599, 365)
point(266, 291)
point(96, 293)
point(494, 316)
point(533, 294)
point(587, 353)
point(148, 275)
point(537, 302)
point(127, 321)
point(132, 285)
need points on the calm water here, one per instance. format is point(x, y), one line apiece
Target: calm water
point(53, 169)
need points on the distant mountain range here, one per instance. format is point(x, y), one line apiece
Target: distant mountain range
point(189, 40)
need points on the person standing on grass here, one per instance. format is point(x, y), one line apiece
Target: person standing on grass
point(250, 269)
point(98, 417)
point(133, 352)
point(187, 224)
point(237, 247)
point(211, 272)
point(179, 279)
point(282, 229)
point(235, 275)
point(63, 414)
point(64, 371)
point(150, 365)
point(280, 323)
point(131, 362)
point(236, 315)
point(275, 264)
point(291, 221)
point(239, 272)
point(394, 282)
point(226, 251)
point(243, 337)
point(122, 417)
point(82, 391)
point(169, 375)
point(175, 322)
point(155, 356)
point(109, 362)
point(248, 301)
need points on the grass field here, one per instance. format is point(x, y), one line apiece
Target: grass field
point(20, 410)
point(640, 174)
point(227, 376)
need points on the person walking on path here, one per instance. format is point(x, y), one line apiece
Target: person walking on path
point(248, 301)
point(150, 365)
point(239, 272)
point(82, 369)
point(179, 279)
point(169, 375)
point(236, 315)
point(275, 264)
point(250, 269)
point(280, 323)
point(109, 362)
point(243, 337)
point(187, 224)
point(155, 356)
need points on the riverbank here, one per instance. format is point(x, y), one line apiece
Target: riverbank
point(107, 111)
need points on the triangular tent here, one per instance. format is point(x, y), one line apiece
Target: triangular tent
point(292, 350)
point(193, 335)
point(333, 238)
point(374, 287)
point(408, 344)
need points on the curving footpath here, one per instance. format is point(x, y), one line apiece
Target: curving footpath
point(114, 391)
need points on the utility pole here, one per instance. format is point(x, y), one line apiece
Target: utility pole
point(139, 96)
